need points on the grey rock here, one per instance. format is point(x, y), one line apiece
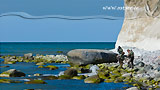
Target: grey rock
point(12, 73)
point(151, 73)
point(83, 70)
point(61, 73)
point(158, 68)
point(3, 66)
point(148, 67)
point(40, 63)
point(6, 60)
point(140, 64)
point(94, 68)
point(157, 75)
point(142, 70)
point(136, 69)
point(9, 60)
point(91, 56)
point(28, 56)
point(127, 75)
point(93, 79)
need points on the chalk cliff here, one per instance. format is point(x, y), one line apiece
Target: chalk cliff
point(141, 27)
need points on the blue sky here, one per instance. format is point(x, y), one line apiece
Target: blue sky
point(16, 29)
point(61, 7)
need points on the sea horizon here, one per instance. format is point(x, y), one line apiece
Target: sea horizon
point(44, 48)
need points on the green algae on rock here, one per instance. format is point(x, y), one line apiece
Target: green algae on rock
point(93, 79)
point(79, 77)
point(35, 82)
point(49, 77)
point(36, 59)
point(8, 81)
point(40, 63)
point(104, 74)
point(40, 66)
point(64, 77)
point(51, 67)
point(109, 80)
point(12, 73)
point(71, 72)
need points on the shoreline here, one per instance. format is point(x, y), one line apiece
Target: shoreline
point(143, 76)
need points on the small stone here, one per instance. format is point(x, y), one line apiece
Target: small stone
point(51, 67)
point(49, 77)
point(70, 72)
point(93, 79)
point(109, 80)
point(64, 77)
point(8, 81)
point(40, 63)
point(132, 88)
point(142, 70)
point(35, 82)
point(28, 56)
point(148, 67)
point(140, 64)
point(127, 75)
point(79, 77)
point(40, 66)
point(37, 74)
point(3, 66)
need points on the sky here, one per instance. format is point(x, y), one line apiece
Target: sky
point(17, 29)
point(61, 7)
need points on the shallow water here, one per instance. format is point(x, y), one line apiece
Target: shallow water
point(31, 68)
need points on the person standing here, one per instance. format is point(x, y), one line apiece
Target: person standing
point(120, 59)
point(120, 56)
point(131, 58)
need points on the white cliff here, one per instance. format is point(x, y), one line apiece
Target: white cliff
point(141, 27)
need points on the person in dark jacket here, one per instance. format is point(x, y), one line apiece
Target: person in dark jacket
point(131, 58)
point(120, 50)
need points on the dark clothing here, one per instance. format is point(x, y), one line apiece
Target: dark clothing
point(120, 50)
point(130, 62)
point(120, 59)
point(131, 59)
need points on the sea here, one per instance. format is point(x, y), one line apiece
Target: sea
point(21, 48)
point(51, 48)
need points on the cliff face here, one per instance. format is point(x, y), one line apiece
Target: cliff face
point(141, 27)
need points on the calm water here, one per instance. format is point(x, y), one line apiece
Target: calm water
point(31, 68)
point(10, 48)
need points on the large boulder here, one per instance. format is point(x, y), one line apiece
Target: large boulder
point(91, 56)
point(12, 73)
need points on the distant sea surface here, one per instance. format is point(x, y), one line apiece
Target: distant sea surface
point(20, 48)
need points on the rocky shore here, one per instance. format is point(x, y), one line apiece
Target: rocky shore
point(94, 66)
